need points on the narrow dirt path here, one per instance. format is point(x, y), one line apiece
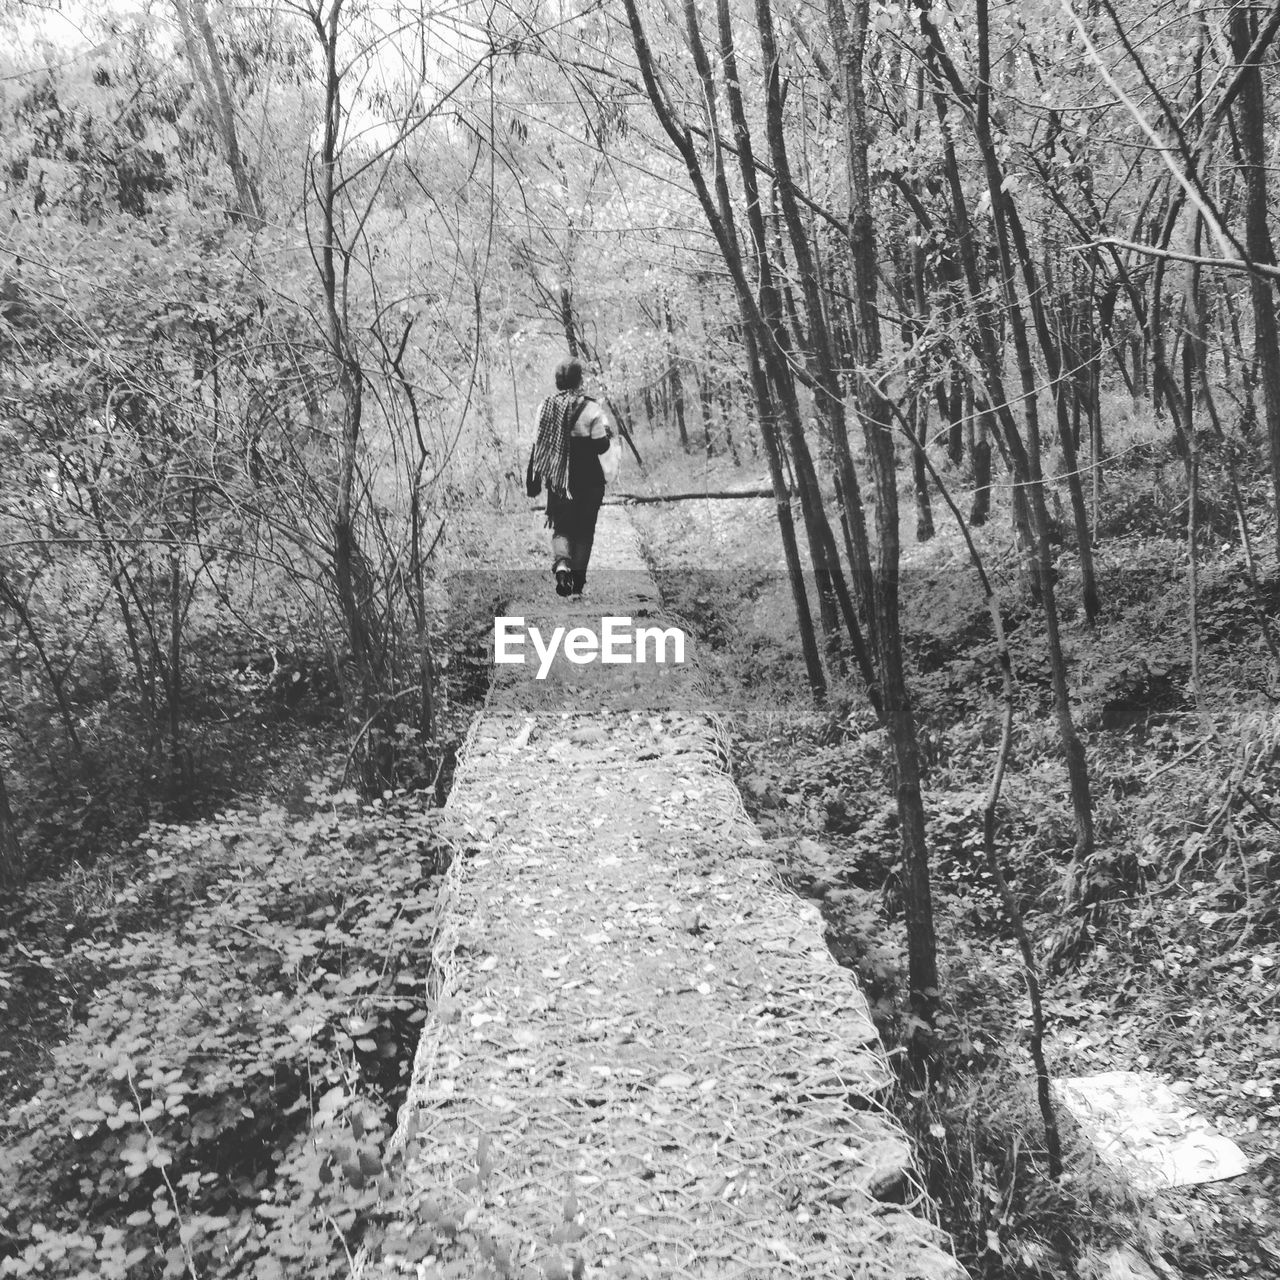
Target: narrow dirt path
point(641, 1059)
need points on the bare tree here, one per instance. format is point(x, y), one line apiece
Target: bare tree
point(206, 60)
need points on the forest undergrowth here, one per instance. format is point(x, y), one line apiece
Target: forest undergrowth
point(1160, 954)
point(212, 1008)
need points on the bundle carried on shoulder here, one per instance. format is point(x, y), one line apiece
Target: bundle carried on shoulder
point(611, 459)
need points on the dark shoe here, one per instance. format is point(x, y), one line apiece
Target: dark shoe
point(579, 581)
point(564, 582)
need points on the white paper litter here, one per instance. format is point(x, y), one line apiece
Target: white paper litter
point(1140, 1126)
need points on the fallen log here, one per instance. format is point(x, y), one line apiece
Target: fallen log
point(620, 498)
point(623, 499)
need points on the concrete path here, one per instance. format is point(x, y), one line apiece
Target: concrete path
point(641, 1059)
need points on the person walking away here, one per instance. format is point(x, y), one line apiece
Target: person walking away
point(573, 433)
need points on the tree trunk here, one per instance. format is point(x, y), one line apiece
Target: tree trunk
point(1250, 126)
point(674, 377)
point(718, 211)
point(174, 663)
point(566, 321)
point(995, 411)
point(949, 394)
point(1053, 360)
point(1073, 748)
point(773, 342)
point(10, 849)
point(829, 395)
point(1024, 454)
point(981, 453)
point(704, 379)
point(724, 407)
point(917, 416)
point(1192, 369)
point(914, 298)
point(206, 60)
point(363, 629)
point(850, 41)
point(57, 680)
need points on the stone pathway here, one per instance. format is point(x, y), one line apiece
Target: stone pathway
point(641, 1059)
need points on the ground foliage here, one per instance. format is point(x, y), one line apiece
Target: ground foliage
point(1161, 952)
point(244, 1000)
point(210, 1026)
